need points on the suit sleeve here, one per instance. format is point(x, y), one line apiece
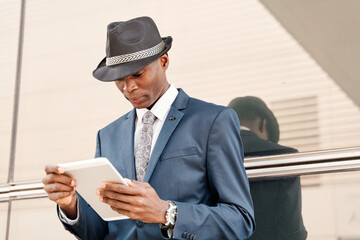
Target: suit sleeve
point(232, 217)
point(90, 225)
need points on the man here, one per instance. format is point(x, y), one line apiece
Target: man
point(185, 154)
point(277, 201)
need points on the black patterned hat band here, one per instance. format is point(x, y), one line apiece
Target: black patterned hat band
point(135, 56)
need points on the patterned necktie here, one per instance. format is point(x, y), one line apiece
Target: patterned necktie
point(143, 145)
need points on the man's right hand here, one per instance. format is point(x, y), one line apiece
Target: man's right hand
point(61, 189)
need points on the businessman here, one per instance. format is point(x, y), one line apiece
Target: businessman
point(182, 157)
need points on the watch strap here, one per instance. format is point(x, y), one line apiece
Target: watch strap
point(170, 215)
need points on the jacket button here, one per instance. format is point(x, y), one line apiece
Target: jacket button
point(184, 235)
point(139, 224)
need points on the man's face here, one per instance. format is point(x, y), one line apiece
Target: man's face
point(145, 87)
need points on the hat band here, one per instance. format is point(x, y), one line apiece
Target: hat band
point(136, 55)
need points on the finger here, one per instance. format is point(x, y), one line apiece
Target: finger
point(128, 181)
point(134, 183)
point(54, 169)
point(64, 179)
point(130, 199)
point(120, 188)
point(59, 178)
point(58, 195)
point(57, 187)
point(108, 194)
point(123, 212)
point(116, 204)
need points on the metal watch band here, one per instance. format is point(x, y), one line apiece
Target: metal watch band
point(171, 214)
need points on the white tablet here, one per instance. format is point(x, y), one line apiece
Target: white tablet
point(89, 175)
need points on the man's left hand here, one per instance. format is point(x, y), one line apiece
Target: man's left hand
point(137, 201)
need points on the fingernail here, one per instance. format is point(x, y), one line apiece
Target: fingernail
point(73, 183)
point(103, 185)
point(61, 169)
point(98, 192)
point(101, 199)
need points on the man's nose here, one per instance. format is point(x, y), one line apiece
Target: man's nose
point(130, 85)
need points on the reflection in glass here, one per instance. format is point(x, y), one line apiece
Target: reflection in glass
point(277, 201)
point(259, 128)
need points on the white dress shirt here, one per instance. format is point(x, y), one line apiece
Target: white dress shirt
point(160, 110)
point(244, 128)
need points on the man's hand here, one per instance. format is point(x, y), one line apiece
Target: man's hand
point(61, 189)
point(137, 201)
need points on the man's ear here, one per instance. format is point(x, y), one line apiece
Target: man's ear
point(164, 61)
point(264, 130)
point(262, 125)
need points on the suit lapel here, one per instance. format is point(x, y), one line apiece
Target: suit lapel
point(169, 126)
point(172, 120)
point(127, 142)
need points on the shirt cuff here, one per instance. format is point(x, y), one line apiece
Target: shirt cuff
point(67, 220)
point(167, 233)
point(170, 232)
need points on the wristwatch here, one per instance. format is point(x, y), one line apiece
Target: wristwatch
point(171, 214)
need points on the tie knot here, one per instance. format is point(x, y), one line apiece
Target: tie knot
point(149, 118)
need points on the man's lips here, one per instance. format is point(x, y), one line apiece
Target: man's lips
point(135, 99)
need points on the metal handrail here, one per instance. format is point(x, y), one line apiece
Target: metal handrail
point(316, 162)
point(335, 160)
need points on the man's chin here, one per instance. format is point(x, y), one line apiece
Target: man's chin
point(140, 105)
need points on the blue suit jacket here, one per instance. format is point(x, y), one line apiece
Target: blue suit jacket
point(197, 162)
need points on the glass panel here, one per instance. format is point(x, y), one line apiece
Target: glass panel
point(323, 207)
point(331, 206)
point(222, 50)
point(277, 205)
point(9, 32)
point(3, 219)
point(36, 219)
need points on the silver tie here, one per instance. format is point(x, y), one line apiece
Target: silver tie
point(143, 145)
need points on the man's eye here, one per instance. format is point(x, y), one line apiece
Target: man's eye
point(137, 74)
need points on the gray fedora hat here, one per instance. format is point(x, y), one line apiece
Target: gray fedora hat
point(130, 46)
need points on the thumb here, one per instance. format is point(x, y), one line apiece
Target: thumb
point(129, 182)
point(133, 183)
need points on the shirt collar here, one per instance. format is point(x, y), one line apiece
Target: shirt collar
point(162, 106)
point(244, 128)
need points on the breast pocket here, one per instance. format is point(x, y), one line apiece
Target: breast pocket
point(179, 153)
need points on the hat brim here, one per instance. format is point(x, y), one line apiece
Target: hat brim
point(112, 73)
